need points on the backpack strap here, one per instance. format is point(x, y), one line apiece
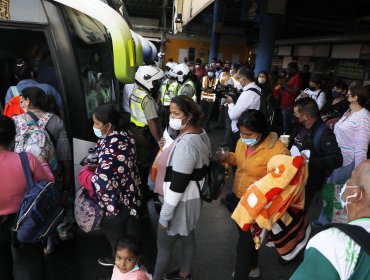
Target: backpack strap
point(357, 233)
point(15, 91)
point(26, 169)
point(316, 138)
point(33, 116)
point(256, 91)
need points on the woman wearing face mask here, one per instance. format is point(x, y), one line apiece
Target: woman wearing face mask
point(114, 183)
point(352, 132)
point(314, 91)
point(36, 105)
point(253, 151)
point(338, 105)
point(272, 103)
point(180, 166)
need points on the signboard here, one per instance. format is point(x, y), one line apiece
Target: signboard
point(350, 70)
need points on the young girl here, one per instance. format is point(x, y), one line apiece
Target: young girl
point(127, 261)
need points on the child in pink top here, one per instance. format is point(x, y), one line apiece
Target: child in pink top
point(127, 261)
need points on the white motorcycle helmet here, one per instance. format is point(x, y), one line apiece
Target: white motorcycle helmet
point(181, 71)
point(148, 77)
point(169, 69)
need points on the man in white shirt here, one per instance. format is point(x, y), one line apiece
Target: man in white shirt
point(314, 91)
point(249, 99)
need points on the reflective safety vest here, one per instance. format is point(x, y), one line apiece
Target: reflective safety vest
point(168, 91)
point(207, 85)
point(224, 76)
point(136, 105)
point(183, 91)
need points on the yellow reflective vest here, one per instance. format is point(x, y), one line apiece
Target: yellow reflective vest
point(169, 89)
point(136, 105)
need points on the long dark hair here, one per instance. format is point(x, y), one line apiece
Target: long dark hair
point(108, 113)
point(254, 120)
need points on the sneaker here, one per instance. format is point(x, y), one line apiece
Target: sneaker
point(255, 273)
point(174, 275)
point(105, 261)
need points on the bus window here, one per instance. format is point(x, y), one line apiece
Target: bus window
point(89, 39)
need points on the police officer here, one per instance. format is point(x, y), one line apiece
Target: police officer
point(208, 96)
point(168, 90)
point(144, 119)
point(187, 86)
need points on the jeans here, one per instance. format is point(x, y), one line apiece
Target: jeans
point(287, 114)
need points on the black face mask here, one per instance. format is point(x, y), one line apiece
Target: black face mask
point(312, 88)
point(218, 68)
point(226, 69)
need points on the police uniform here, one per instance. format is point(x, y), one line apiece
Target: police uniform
point(188, 89)
point(168, 90)
point(208, 99)
point(143, 108)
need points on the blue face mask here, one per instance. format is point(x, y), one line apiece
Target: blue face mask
point(250, 141)
point(336, 94)
point(98, 132)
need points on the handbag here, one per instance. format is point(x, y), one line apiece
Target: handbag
point(89, 215)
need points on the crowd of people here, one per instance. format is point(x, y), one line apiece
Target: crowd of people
point(162, 136)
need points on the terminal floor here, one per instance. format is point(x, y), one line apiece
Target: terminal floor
point(216, 238)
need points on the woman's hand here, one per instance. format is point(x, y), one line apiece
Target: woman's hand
point(162, 142)
point(222, 156)
point(163, 227)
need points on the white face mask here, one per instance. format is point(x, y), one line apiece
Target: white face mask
point(346, 202)
point(176, 124)
point(261, 80)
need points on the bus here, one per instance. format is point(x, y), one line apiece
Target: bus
point(85, 49)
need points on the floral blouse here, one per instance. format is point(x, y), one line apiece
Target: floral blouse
point(116, 179)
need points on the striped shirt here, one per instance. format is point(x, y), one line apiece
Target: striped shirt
point(186, 165)
point(353, 135)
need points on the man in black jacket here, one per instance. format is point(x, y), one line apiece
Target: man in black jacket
point(310, 133)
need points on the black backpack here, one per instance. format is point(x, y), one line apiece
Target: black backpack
point(214, 181)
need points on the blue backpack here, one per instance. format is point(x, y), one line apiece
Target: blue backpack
point(40, 211)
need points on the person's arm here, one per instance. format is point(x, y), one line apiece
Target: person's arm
point(184, 161)
point(8, 96)
point(361, 142)
point(321, 100)
point(84, 179)
point(154, 129)
point(294, 87)
point(331, 157)
point(245, 101)
point(150, 111)
point(40, 170)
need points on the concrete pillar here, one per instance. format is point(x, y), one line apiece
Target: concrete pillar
point(269, 29)
point(218, 13)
